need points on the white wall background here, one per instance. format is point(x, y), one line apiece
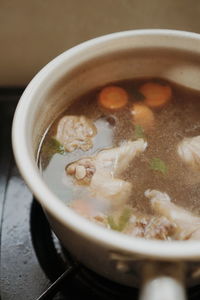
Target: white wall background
point(33, 32)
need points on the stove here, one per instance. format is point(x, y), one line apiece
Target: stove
point(33, 263)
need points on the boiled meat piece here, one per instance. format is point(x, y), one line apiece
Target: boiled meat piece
point(151, 228)
point(116, 160)
point(188, 225)
point(76, 132)
point(189, 151)
point(100, 171)
point(103, 186)
point(159, 228)
point(110, 161)
point(82, 170)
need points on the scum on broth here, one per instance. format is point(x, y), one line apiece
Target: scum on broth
point(178, 119)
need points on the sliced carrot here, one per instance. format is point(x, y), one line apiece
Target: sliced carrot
point(113, 97)
point(143, 115)
point(156, 95)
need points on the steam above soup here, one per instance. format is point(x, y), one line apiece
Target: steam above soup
point(127, 157)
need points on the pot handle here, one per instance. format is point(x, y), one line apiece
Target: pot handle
point(163, 281)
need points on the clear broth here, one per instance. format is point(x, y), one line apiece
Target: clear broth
point(178, 119)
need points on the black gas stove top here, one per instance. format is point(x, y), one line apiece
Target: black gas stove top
point(33, 263)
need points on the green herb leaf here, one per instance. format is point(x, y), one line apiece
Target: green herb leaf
point(158, 164)
point(55, 146)
point(112, 223)
point(122, 222)
point(139, 132)
point(124, 218)
point(51, 147)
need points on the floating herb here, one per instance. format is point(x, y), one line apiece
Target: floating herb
point(158, 164)
point(139, 132)
point(124, 218)
point(53, 146)
point(112, 223)
point(122, 222)
point(49, 148)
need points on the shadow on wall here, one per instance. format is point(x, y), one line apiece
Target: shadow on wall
point(33, 32)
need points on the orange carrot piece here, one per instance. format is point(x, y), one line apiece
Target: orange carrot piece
point(156, 95)
point(143, 115)
point(113, 97)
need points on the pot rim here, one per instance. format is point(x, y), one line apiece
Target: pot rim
point(153, 249)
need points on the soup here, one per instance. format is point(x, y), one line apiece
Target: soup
point(127, 157)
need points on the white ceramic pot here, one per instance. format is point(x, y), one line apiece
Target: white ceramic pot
point(169, 54)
